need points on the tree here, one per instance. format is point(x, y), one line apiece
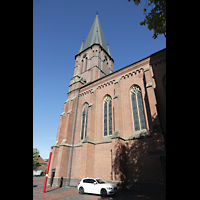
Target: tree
point(36, 162)
point(156, 18)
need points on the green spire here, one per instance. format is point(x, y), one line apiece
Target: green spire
point(95, 37)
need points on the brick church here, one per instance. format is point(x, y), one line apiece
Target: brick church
point(113, 124)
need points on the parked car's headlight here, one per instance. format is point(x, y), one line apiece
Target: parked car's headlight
point(109, 188)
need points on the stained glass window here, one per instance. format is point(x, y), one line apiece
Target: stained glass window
point(137, 109)
point(107, 116)
point(84, 121)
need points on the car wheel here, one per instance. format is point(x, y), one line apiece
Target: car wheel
point(81, 190)
point(103, 192)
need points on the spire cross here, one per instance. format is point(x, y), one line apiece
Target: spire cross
point(97, 12)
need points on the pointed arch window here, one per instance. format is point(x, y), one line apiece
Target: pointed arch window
point(107, 116)
point(137, 109)
point(82, 70)
point(86, 64)
point(84, 121)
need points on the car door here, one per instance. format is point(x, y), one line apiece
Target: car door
point(89, 185)
point(86, 185)
point(94, 187)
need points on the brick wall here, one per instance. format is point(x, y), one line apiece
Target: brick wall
point(99, 156)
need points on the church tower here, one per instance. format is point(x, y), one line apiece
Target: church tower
point(109, 115)
point(93, 60)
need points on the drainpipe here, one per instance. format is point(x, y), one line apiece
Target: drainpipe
point(70, 168)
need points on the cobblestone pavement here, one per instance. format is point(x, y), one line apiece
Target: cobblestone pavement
point(71, 193)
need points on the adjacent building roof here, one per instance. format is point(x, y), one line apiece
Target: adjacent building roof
point(41, 160)
point(95, 37)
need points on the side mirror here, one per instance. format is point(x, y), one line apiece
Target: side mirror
point(95, 183)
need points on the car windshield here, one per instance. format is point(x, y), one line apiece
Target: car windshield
point(100, 181)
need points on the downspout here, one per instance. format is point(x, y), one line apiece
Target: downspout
point(70, 168)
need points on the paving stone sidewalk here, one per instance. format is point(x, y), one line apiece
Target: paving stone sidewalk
point(71, 193)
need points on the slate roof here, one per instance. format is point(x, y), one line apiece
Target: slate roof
point(95, 37)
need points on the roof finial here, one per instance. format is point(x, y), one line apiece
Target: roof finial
point(83, 39)
point(97, 12)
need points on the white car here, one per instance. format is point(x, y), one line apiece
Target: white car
point(96, 186)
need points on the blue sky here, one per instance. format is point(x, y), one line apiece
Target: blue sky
point(58, 29)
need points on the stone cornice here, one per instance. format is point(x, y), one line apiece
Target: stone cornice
point(112, 81)
point(108, 139)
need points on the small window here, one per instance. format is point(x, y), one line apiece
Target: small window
point(89, 180)
point(86, 181)
point(92, 180)
point(86, 64)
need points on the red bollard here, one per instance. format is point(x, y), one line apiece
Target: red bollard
point(45, 181)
